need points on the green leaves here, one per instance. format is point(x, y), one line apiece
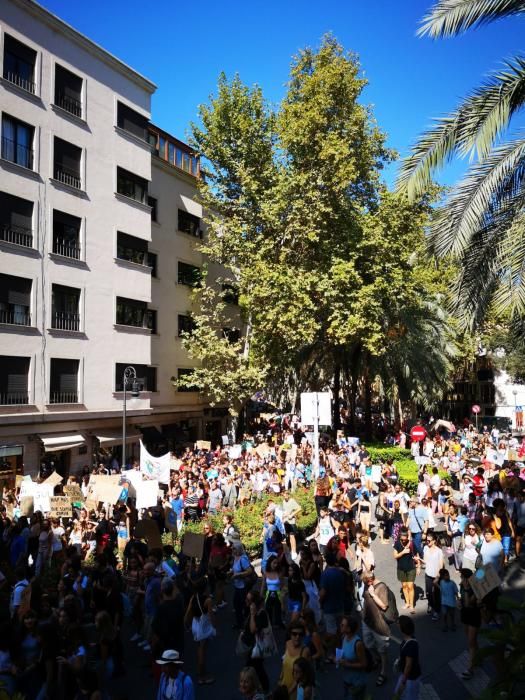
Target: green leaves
point(450, 17)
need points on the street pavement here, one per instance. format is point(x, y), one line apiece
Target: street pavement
point(443, 654)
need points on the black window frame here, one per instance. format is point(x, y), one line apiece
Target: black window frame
point(185, 325)
point(16, 225)
point(189, 224)
point(65, 308)
point(21, 54)
point(13, 150)
point(67, 168)
point(135, 314)
point(133, 122)
point(14, 380)
point(146, 376)
point(188, 274)
point(15, 300)
point(153, 202)
point(68, 91)
point(66, 234)
point(130, 185)
point(63, 380)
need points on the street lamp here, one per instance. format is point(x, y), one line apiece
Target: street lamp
point(515, 392)
point(128, 377)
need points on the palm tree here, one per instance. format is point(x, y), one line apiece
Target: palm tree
point(482, 222)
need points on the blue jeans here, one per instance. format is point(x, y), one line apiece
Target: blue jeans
point(417, 539)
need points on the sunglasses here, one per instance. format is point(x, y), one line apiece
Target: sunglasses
point(296, 634)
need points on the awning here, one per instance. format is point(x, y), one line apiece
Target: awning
point(151, 433)
point(11, 450)
point(64, 442)
point(110, 438)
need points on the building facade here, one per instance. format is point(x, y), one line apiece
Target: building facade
point(88, 283)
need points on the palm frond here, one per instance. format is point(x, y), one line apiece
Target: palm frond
point(493, 184)
point(474, 125)
point(451, 17)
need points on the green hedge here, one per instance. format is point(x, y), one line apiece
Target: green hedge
point(249, 520)
point(382, 452)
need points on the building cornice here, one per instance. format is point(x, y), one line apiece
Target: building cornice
point(57, 24)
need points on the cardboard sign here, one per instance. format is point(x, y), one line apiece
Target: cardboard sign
point(41, 497)
point(263, 449)
point(27, 488)
point(54, 479)
point(18, 480)
point(108, 492)
point(74, 493)
point(26, 505)
point(90, 505)
point(193, 545)
point(203, 445)
point(484, 581)
point(147, 529)
point(60, 507)
point(147, 494)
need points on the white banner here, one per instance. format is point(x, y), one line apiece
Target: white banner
point(155, 467)
point(41, 496)
point(147, 494)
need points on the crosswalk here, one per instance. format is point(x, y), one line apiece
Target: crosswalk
point(479, 681)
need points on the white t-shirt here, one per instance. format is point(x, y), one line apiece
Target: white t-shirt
point(433, 558)
point(58, 533)
point(326, 531)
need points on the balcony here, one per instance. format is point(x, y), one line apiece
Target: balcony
point(62, 246)
point(10, 233)
point(67, 176)
point(14, 398)
point(64, 397)
point(69, 104)
point(66, 321)
point(20, 81)
point(17, 153)
point(14, 317)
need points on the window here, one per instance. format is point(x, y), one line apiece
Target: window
point(146, 377)
point(152, 263)
point(17, 142)
point(131, 312)
point(67, 161)
point(14, 380)
point(132, 121)
point(184, 373)
point(65, 308)
point(132, 186)
point(190, 224)
point(230, 294)
point(162, 147)
point(185, 325)
point(16, 220)
point(15, 300)
point(186, 161)
point(233, 335)
point(152, 202)
point(171, 153)
point(19, 64)
point(131, 248)
point(64, 381)
point(66, 235)
point(68, 91)
point(189, 274)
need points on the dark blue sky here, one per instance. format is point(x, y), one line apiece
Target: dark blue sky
point(182, 47)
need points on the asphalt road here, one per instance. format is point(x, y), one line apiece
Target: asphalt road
point(443, 655)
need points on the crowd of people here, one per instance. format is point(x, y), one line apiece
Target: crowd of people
point(80, 590)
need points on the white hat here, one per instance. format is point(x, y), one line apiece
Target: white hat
point(170, 656)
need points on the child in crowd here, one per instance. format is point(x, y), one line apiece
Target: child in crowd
point(449, 596)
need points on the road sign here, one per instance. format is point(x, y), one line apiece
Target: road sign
point(418, 433)
point(476, 408)
point(316, 405)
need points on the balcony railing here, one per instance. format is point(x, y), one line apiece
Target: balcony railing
point(66, 321)
point(67, 176)
point(15, 318)
point(17, 79)
point(14, 398)
point(64, 397)
point(69, 104)
point(17, 153)
point(16, 234)
point(65, 248)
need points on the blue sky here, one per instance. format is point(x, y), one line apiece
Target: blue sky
point(182, 47)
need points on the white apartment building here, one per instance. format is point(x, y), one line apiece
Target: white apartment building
point(84, 290)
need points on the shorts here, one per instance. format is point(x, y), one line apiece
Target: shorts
point(373, 640)
point(506, 541)
point(406, 576)
point(294, 606)
point(290, 529)
point(332, 622)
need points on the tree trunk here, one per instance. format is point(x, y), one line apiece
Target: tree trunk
point(336, 408)
point(368, 401)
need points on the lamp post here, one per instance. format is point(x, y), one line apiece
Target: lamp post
point(129, 376)
point(515, 392)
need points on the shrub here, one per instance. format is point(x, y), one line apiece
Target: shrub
point(384, 452)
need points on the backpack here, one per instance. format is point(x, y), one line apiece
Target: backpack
point(391, 614)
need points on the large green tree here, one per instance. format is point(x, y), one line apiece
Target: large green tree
point(323, 257)
point(481, 222)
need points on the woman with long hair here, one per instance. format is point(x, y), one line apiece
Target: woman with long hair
point(470, 618)
point(199, 616)
point(271, 591)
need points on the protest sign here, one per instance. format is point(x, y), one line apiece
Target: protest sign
point(225, 440)
point(495, 458)
point(41, 496)
point(90, 505)
point(74, 493)
point(26, 505)
point(53, 479)
point(108, 492)
point(170, 519)
point(27, 488)
point(18, 480)
point(484, 581)
point(235, 451)
point(193, 545)
point(60, 507)
point(148, 529)
point(147, 493)
point(155, 467)
point(203, 445)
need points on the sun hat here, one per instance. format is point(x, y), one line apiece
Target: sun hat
point(170, 656)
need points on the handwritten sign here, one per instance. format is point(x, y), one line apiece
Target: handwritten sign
point(74, 493)
point(203, 445)
point(41, 497)
point(60, 507)
point(53, 479)
point(193, 545)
